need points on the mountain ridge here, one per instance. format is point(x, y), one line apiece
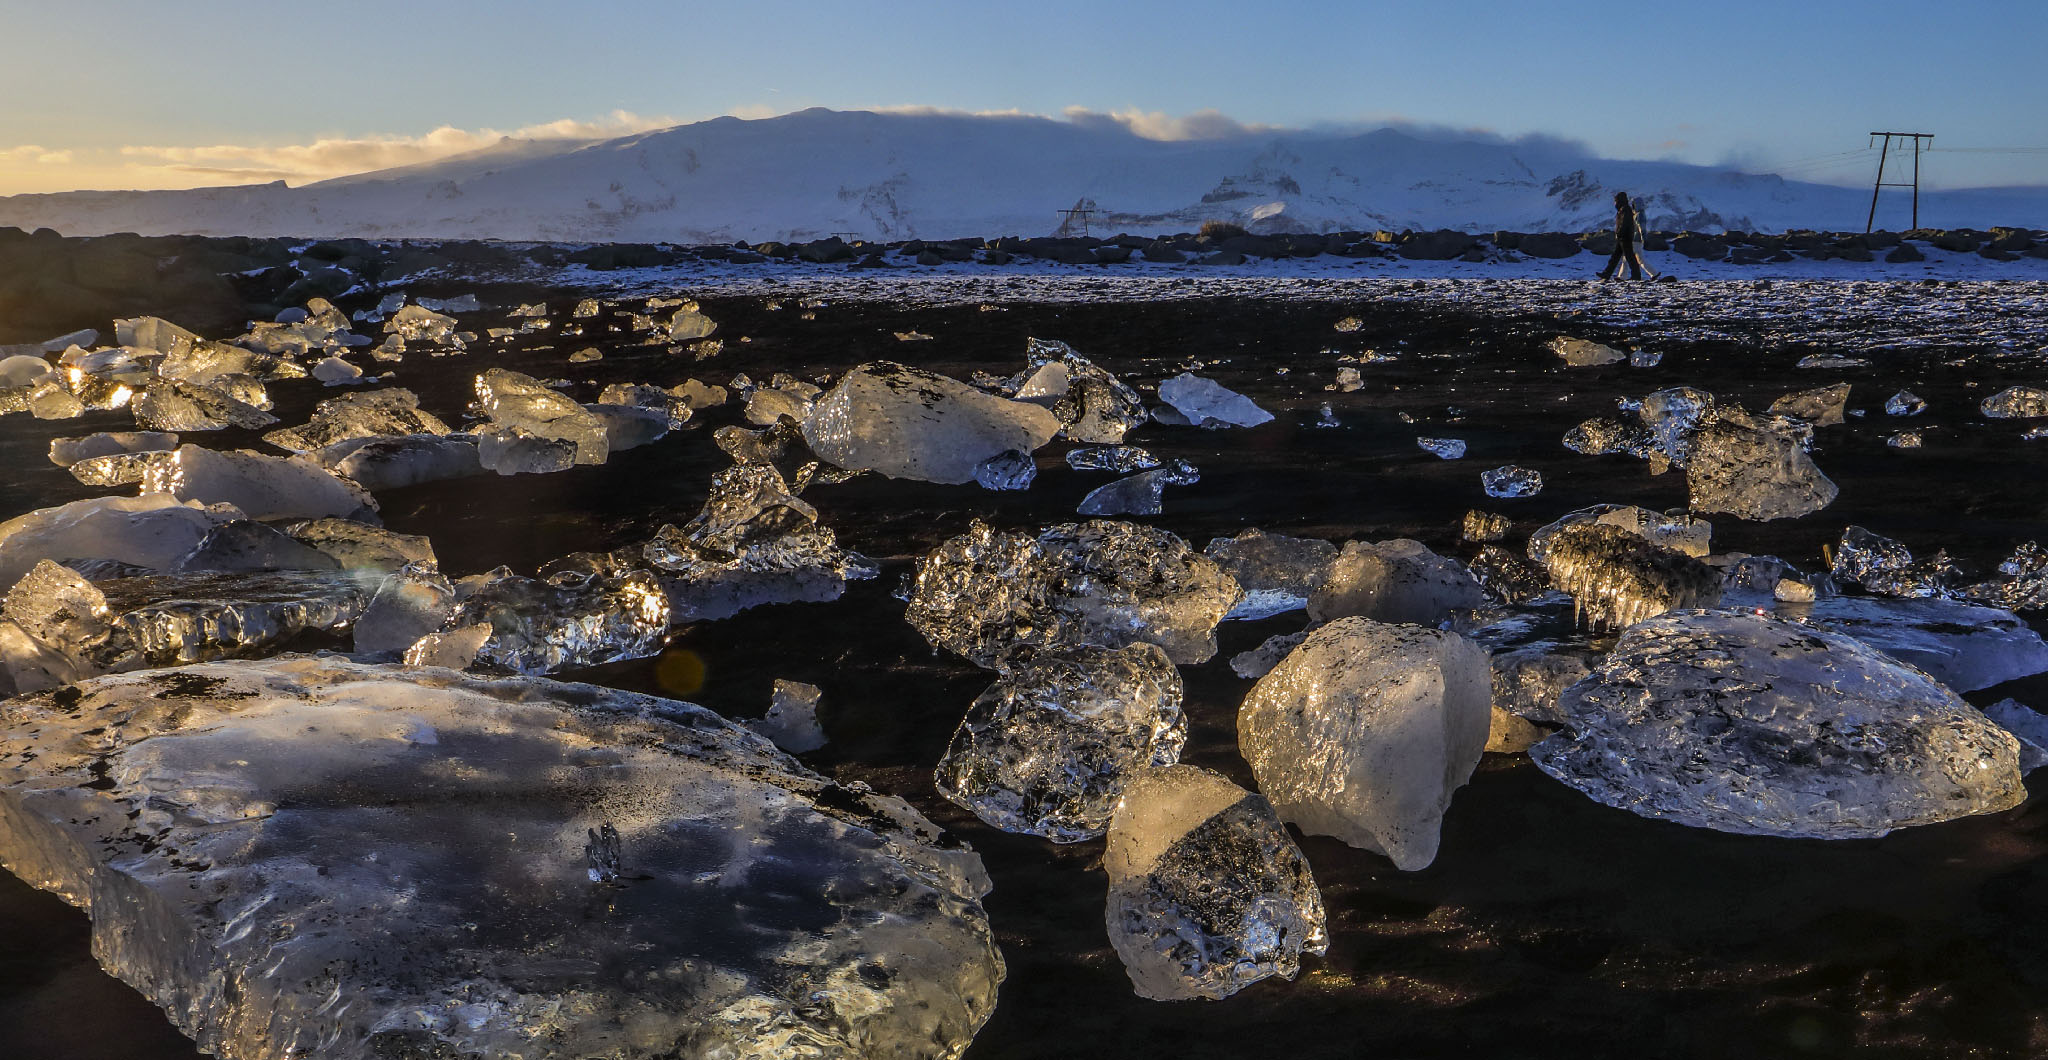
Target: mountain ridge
point(887, 175)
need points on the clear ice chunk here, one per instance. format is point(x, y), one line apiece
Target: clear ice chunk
point(1906, 440)
point(417, 323)
point(515, 451)
point(413, 602)
point(1090, 402)
point(170, 405)
point(522, 404)
point(246, 545)
point(334, 371)
point(764, 446)
point(1118, 458)
point(1277, 573)
point(1366, 729)
point(1885, 566)
point(2016, 403)
point(369, 414)
point(1616, 578)
point(1672, 416)
point(1964, 646)
point(65, 452)
point(646, 396)
point(1483, 526)
point(1511, 481)
point(168, 619)
point(1529, 681)
point(22, 369)
point(986, 593)
point(114, 469)
point(1013, 470)
point(395, 461)
point(753, 543)
point(60, 609)
point(630, 426)
point(1584, 353)
point(1742, 723)
point(1398, 580)
point(1822, 407)
point(1045, 750)
point(1443, 448)
point(768, 406)
point(792, 719)
point(1207, 403)
point(909, 423)
point(262, 486)
point(154, 530)
point(1754, 473)
point(1904, 403)
point(455, 649)
point(2027, 725)
point(1256, 663)
point(361, 547)
point(1207, 892)
point(689, 323)
point(569, 620)
point(1139, 494)
point(379, 803)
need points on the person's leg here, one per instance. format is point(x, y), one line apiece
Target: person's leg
point(1635, 264)
point(1614, 261)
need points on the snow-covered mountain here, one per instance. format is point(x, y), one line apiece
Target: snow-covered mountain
point(931, 175)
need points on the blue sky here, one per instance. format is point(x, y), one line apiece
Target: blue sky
point(124, 93)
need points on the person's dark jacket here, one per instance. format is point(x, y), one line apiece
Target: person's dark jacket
point(1626, 230)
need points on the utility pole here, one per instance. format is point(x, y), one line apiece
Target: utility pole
point(1915, 185)
point(1075, 219)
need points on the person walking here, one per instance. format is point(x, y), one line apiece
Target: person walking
point(1627, 230)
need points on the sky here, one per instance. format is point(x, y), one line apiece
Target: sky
point(132, 94)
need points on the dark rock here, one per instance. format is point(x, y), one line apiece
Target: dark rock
point(1880, 240)
point(1163, 251)
point(1255, 246)
point(1601, 243)
point(2011, 240)
point(1702, 247)
point(1904, 252)
point(824, 251)
point(1955, 242)
point(930, 257)
point(1112, 255)
point(995, 257)
point(1507, 240)
point(1546, 245)
point(1442, 245)
point(612, 256)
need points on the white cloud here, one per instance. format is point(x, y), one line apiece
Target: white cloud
point(1205, 124)
point(35, 153)
point(340, 156)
